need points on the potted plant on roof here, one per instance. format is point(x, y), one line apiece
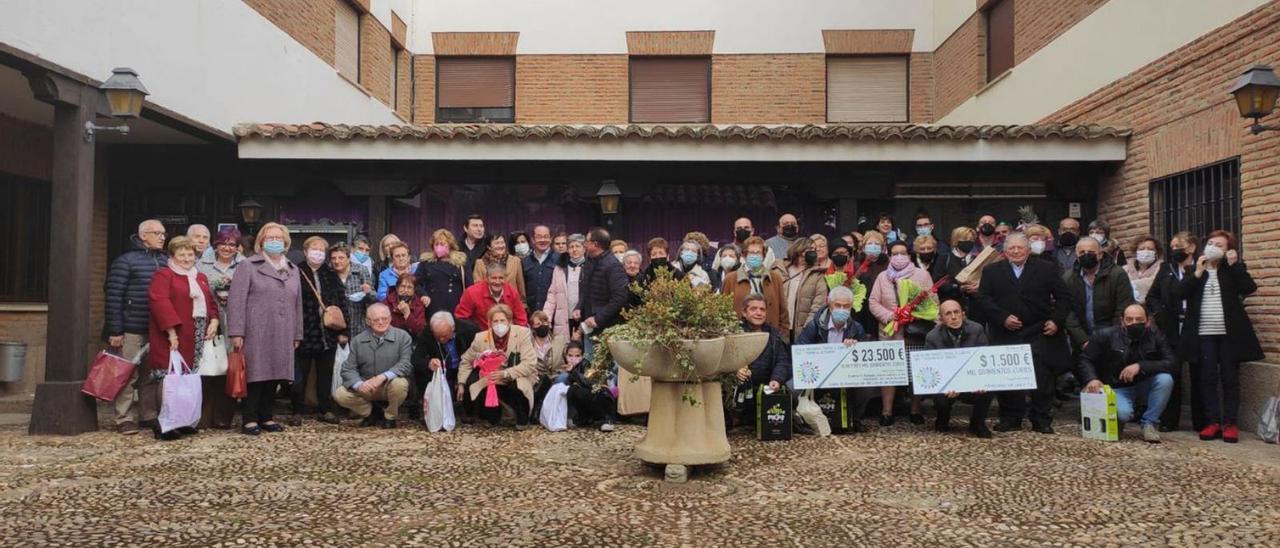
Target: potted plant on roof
point(685, 339)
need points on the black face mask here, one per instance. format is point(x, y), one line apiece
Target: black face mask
point(965, 246)
point(839, 260)
point(1136, 331)
point(741, 234)
point(790, 231)
point(542, 330)
point(810, 257)
point(1178, 255)
point(987, 229)
point(1068, 239)
point(927, 257)
point(655, 263)
point(1088, 261)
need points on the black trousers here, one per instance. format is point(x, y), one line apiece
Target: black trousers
point(302, 364)
point(1013, 403)
point(591, 405)
point(981, 407)
point(510, 395)
point(1172, 415)
point(258, 402)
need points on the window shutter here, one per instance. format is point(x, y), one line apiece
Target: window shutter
point(476, 82)
point(867, 89)
point(999, 38)
point(347, 41)
point(395, 73)
point(670, 89)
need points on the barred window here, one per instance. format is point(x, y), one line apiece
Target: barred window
point(1200, 201)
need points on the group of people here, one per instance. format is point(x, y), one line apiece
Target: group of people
point(538, 298)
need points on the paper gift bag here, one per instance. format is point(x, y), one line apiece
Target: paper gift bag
point(108, 375)
point(837, 406)
point(973, 272)
point(1098, 416)
point(773, 415)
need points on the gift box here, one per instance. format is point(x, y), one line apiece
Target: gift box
point(837, 406)
point(773, 415)
point(1098, 416)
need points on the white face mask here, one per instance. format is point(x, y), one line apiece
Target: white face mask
point(315, 256)
point(1213, 252)
point(522, 249)
point(1146, 256)
point(619, 256)
point(1101, 238)
point(727, 263)
point(1037, 247)
point(500, 329)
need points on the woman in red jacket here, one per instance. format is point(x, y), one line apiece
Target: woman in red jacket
point(407, 311)
point(183, 316)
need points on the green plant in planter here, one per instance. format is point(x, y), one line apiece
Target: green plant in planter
point(672, 311)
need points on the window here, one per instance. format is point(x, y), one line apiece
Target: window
point(475, 89)
point(1199, 201)
point(867, 89)
point(999, 38)
point(670, 89)
point(24, 274)
point(347, 40)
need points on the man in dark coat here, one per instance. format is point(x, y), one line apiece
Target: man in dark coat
point(772, 367)
point(833, 324)
point(440, 345)
point(957, 331)
point(1099, 293)
point(1025, 302)
point(602, 291)
point(1136, 362)
point(128, 308)
point(539, 267)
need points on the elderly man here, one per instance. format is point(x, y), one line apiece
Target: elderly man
point(1099, 292)
point(128, 312)
point(957, 331)
point(834, 323)
point(1136, 361)
point(1068, 237)
point(443, 347)
point(788, 233)
point(1025, 302)
point(539, 267)
point(772, 367)
point(482, 295)
point(377, 369)
point(200, 236)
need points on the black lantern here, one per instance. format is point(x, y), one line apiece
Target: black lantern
point(609, 196)
point(125, 94)
point(1256, 91)
point(250, 211)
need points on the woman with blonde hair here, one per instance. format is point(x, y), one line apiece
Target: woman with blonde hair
point(516, 378)
point(442, 275)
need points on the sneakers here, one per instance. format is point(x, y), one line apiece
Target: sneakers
point(1231, 433)
point(1210, 432)
point(607, 427)
point(1150, 434)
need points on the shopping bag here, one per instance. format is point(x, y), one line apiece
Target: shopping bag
point(437, 404)
point(1269, 422)
point(213, 359)
point(339, 358)
point(555, 408)
point(837, 406)
point(811, 414)
point(237, 377)
point(181, 399)
point(773, 415)
point(1098, 415)
point(108, 375)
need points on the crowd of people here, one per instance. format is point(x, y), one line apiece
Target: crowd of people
point(1091, 316)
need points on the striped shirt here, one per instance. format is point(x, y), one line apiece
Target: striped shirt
point(1212, 321)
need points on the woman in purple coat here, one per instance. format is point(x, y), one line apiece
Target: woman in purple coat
point(264, 320)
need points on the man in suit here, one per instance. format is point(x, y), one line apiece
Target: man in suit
point(1025, 302)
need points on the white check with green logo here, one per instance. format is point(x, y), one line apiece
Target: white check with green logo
point(835, 365)
point(990, 368)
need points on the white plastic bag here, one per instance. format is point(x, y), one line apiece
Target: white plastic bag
point(213, 358)
point(555, 408)
point(181, 400)
point(339, 358)
point(1269, 422)
point(437, 404)
point(809, 412)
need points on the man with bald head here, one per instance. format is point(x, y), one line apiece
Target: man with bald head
point(1137, 362)
point(199, 235)
point(128, 307)
point(788, 233)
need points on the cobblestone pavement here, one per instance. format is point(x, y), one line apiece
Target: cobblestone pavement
point(907, 486)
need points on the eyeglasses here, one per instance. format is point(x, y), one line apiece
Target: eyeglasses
point(160, 233)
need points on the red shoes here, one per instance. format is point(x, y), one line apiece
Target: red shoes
point(1231, 434)
point(1213, 431)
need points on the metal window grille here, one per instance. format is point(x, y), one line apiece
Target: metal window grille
point(1200, 201)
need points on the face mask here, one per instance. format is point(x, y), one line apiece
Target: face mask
point(1088, 261)
point(924, 230)
point(1136, 331)
point(500, 329)
point(899, 262)
point(810, 257)
point(790, 231)
point(688, 257)
point(728, 263)
point(618, 256)
point(542, 330)
point(741, 234)
point(577, 260)
point(1068, 239)
point(1178, 255)
point(927, 257)
point(441, 250)
point(754, 262)
point(965, 246)
point(356, 297)
point(839, 260)
point(840, 316)
point(892, 236)
point(573, 360)
point(404, 293)
point(659, 262)
point(522, 249)
point(1213, 252)
point(872, 250)
point(1101, 238)
point(1037, 247)
point(1146, 256)
point(359, 256)
point(315, 256)
point(273, 247)
point(987, 229)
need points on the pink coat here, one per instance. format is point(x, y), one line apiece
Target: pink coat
point(557, 306)
point(884, 299)
point(265, 307)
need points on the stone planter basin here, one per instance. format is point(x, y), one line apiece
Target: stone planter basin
point(711, 357)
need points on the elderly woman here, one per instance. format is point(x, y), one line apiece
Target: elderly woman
point(884, 306)
point(217, 408)
point(359, 256)
point(1144, 266)
point(518, 376)
point(549, 350)
point(401, 264)
point(357, 287)
point(728, 258)
point(321, 289)
point(385, 247)
point(183, 316)
point(264, 320)
point(407, 311)
point(442, 275)
point(925, 255)
point(562, 297)
point(688, 265)
point(807, 289)
point(497, 252)
point(963, 241)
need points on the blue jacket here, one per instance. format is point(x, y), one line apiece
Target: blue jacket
point(815, 332)
point(388, 279)
point(128, 308)
point(537, 278)
point(774, 363)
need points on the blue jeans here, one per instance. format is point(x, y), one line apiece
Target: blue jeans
point(1155, 389)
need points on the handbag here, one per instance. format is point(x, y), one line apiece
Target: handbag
point(182, 396)
point(330, 316)
point(108, 376)
point(1269, 422)
point(237, 377)
point(213, 358)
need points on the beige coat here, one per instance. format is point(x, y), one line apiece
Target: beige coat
point(555, 356)
point(525, 373)
point(515, 273)
point(811, 296)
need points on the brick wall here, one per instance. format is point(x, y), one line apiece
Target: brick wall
point(768, 89)
point(921, 88)
point(310, 22)
point(424, 89)
point(375, 58)
point(571, 89)
point(1183, 117)
point(960, 66)
point(1038, 22)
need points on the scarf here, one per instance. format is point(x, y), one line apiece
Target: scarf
point(895, 275)
point(756, 279)
point(199, 309)
point(281, 263)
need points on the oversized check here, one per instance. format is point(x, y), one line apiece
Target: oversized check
point(990, 368)
point(838, 366)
